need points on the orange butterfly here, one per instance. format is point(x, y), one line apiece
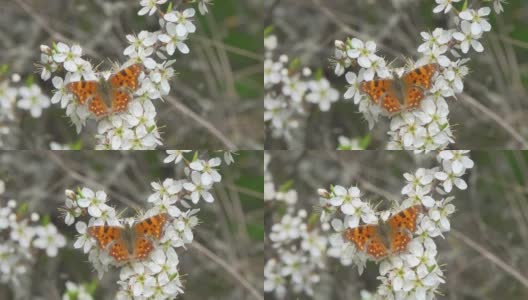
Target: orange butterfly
point(125, 244)
point(387, 238)
point(116, 92)
point(389, 92)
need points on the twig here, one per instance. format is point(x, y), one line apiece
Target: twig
point(492, 257)
point(498, 119)
point(186, 111)
point(228, 268)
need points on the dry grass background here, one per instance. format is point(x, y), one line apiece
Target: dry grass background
point(216, 95)
point(484, 254)
point(225, 261)
point(490, 114)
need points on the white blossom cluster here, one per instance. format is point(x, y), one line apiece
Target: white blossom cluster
point(299, 251)
point(135, 128)
point(157, 276)
point(427, 127)
point(12, 96)
point(415, 272)
point(23, 239)
point(287, 91)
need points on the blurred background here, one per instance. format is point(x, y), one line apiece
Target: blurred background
point(216, 93)
point(225, 260)
point(488, 115)
point(482, 257)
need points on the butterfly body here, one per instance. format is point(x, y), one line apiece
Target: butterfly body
point(405, 93)
point(135, 242)
point(379, 241)
point(107, 96)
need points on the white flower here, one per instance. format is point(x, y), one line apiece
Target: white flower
point(33, 100)
point(378, 66)
point(345, 143)
point(198, 188)
point(459, 161)
point(420, 178)
point(228, 157)
point(353, 89)
point(202, 6)
point(173, 39)
point(437, 38)
point(175, 155)
point(444, 5)
point(168, 189)
point(273, 280)
point(207, 169)
point(77, 292)
point(95, 202)
point(479, 24)
point(62, 95)
point(322, 93)
point(364, 53)
point(184, 25)
point(50, 239)
point(149, 6)
point(22, 233)
point(84, 240)
point(467, 38)
point(144, 40)
point(449, 177)
point(497, 6)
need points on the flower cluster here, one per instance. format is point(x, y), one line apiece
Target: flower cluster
point(28, 97)
point(134, 128)
point(426, 127)
point(299, 249)
point(21, 236)
point(288, 89)
point(415, 272)
point(156, 276)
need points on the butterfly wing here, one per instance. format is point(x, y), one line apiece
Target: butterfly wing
point(146, 230)
point(83, 90)
point(142, 247)
point(119, 251)
point(110, 238)
point(126, 78)
point(416, 82)
point(402, 225)
point(120, 100)
point(122, 84)
point(366, 238)
point(382, 92)
point(97, 105)
point(152, 226)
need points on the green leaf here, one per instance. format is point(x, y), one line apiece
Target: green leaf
point(4, 69)
point(45, 220)
point(295, 64)
point(22, 209)
point(365, 141)
point(268, 30)
point(318, 74)
point(286, 186)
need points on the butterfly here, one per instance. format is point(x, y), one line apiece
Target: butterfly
point(125, 244)
point(378, 241)
point(107, 96)
point(411, 88)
